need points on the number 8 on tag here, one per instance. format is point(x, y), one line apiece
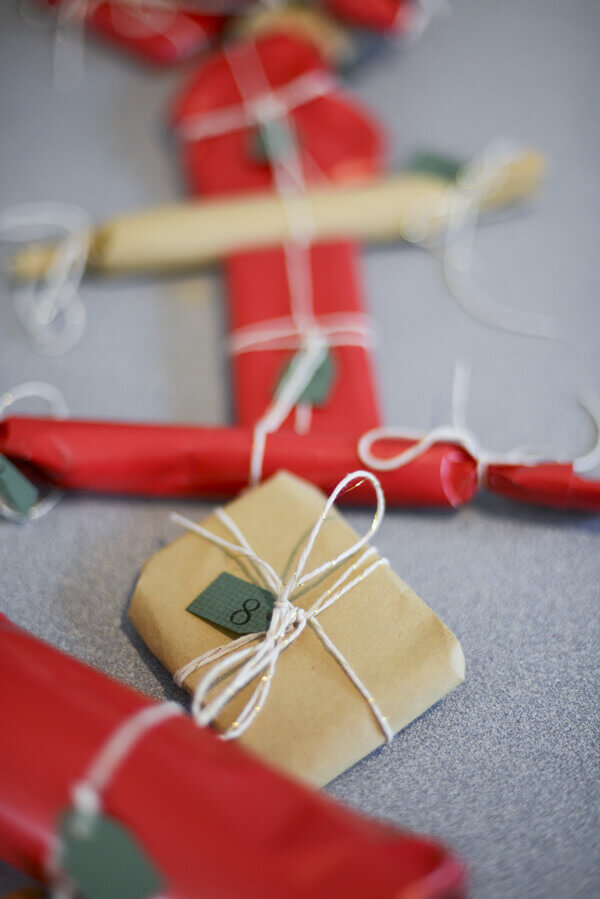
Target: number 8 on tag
point(234, 604)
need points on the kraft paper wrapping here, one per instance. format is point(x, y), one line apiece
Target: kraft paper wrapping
point(315, 724)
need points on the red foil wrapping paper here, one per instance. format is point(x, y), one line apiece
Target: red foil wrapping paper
point(188, 461)
point(156, 35)
point(214, 820)
point(337, 142)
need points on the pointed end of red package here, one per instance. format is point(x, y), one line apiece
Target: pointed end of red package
point(551, 484)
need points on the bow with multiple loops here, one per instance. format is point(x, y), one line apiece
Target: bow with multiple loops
point(256, 655)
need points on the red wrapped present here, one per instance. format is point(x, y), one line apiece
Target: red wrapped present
point(86, 757)
point(155, 34)
point(170, 460)
point(263, 114)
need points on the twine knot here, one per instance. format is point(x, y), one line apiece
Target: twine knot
point(238, 663)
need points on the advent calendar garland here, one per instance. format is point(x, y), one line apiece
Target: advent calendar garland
point(266, 113)
point(262, 121)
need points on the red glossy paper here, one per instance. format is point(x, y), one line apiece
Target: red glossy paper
point(158, 36)
point(183, 460)
point(338, 141)
point(167, 460)
point(215, 821)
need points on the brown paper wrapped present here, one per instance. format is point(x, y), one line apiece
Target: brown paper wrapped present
point(360, 670)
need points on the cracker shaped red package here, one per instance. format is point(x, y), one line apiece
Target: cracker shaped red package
point(179, 460)
point(159, 35)
point(199, 816)
point(262, 114)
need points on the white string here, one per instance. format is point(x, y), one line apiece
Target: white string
point(58, 407)
point(349, 329)
point(422, 13)
point(87, 793)
point(303, 367)
point(50, 309)
point(340, 329)
point(256, 655)
point(459, 434)
point(591, 403)
point(261, 104)
point(484, 174)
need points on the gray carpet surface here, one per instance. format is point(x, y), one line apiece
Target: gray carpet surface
point(506, 769)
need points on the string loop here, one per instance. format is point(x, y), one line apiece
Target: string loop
point(459, 433)
point(484, 174)
point(50, 308)
point(58, 408)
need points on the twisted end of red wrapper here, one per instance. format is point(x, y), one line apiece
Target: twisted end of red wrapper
point(552, 484)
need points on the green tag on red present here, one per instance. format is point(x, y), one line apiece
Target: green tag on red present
point(104, 860)
point(16, 490)
point(235, 605)
point(271, 142)
point(319, 387)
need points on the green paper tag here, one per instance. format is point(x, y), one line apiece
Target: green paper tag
point(319, 387)
point(428, 163)
point(104, 859)
point(271, 141)
point(235, 605)
point(15, 489)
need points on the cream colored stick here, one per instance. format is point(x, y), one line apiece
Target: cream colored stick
point(188, 235)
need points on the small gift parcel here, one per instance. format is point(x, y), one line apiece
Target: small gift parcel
point(292, 633)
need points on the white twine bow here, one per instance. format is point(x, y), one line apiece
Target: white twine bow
point(246, 662)
point(461, 435)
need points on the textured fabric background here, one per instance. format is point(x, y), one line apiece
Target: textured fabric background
point(506, 770)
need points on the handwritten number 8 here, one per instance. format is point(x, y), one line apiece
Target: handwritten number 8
point(246, 610)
